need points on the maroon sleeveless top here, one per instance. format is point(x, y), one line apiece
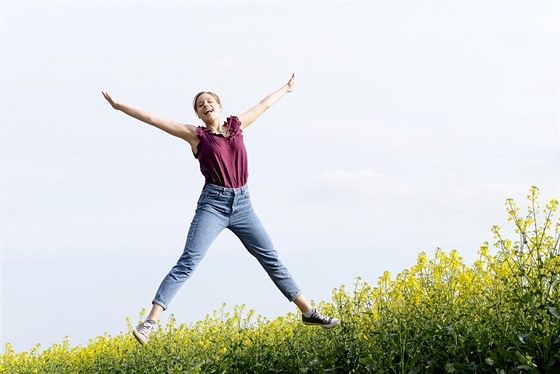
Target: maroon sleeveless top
point(223, 160)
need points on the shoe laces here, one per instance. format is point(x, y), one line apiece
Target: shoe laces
point(320, 316)
point(146, 328)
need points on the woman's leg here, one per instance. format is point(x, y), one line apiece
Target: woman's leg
point(155, 312)
point(249, 229)
point(207, 223)
point(204, 229)
point(302, 303)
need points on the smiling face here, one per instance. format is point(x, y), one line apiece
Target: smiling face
point(207, 106)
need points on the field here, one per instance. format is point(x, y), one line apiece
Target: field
point(500, 314)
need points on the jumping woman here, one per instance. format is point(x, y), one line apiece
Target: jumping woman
point(224, 201)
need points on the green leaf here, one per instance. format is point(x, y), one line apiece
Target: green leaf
point(524, 338)
point(521, 358)
point(554, 311)
point(450, 368)
point(365, 361)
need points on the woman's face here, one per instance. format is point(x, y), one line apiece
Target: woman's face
point(207, 107)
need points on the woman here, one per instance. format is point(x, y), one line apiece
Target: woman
point(224, 201)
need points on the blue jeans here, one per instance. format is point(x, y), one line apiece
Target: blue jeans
point(219, 208)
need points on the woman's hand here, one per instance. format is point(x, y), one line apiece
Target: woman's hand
point(113, 103)
point(185, 132)
point(291, 83)
point(252, 114)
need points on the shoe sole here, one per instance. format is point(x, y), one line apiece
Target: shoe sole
point(139, 337)
point(329, 326)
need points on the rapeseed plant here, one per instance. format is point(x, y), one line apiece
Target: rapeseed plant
point(499, 315)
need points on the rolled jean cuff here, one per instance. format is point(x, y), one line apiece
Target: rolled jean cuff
point(157, 302)
point(291, 299)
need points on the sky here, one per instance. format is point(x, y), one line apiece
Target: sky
point(410, 125)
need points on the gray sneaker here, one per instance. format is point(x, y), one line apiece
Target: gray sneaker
point(318, 319)
point(143, 331)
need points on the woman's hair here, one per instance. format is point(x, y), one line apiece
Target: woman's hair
point(202, 93)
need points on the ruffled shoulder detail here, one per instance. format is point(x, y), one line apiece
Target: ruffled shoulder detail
point(233, 125)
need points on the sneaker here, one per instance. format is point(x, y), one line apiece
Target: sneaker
point(318, 319)
point(142, 331)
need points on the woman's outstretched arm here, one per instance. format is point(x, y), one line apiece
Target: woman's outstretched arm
point(186, 132)
point(252, 114)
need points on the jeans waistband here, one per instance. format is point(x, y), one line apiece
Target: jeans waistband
point(226, 190)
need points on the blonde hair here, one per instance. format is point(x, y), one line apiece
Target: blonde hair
point(213, 94)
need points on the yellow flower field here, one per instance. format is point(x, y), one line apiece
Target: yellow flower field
point(499, 315)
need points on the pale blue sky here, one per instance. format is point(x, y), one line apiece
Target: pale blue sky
point(410, 125)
